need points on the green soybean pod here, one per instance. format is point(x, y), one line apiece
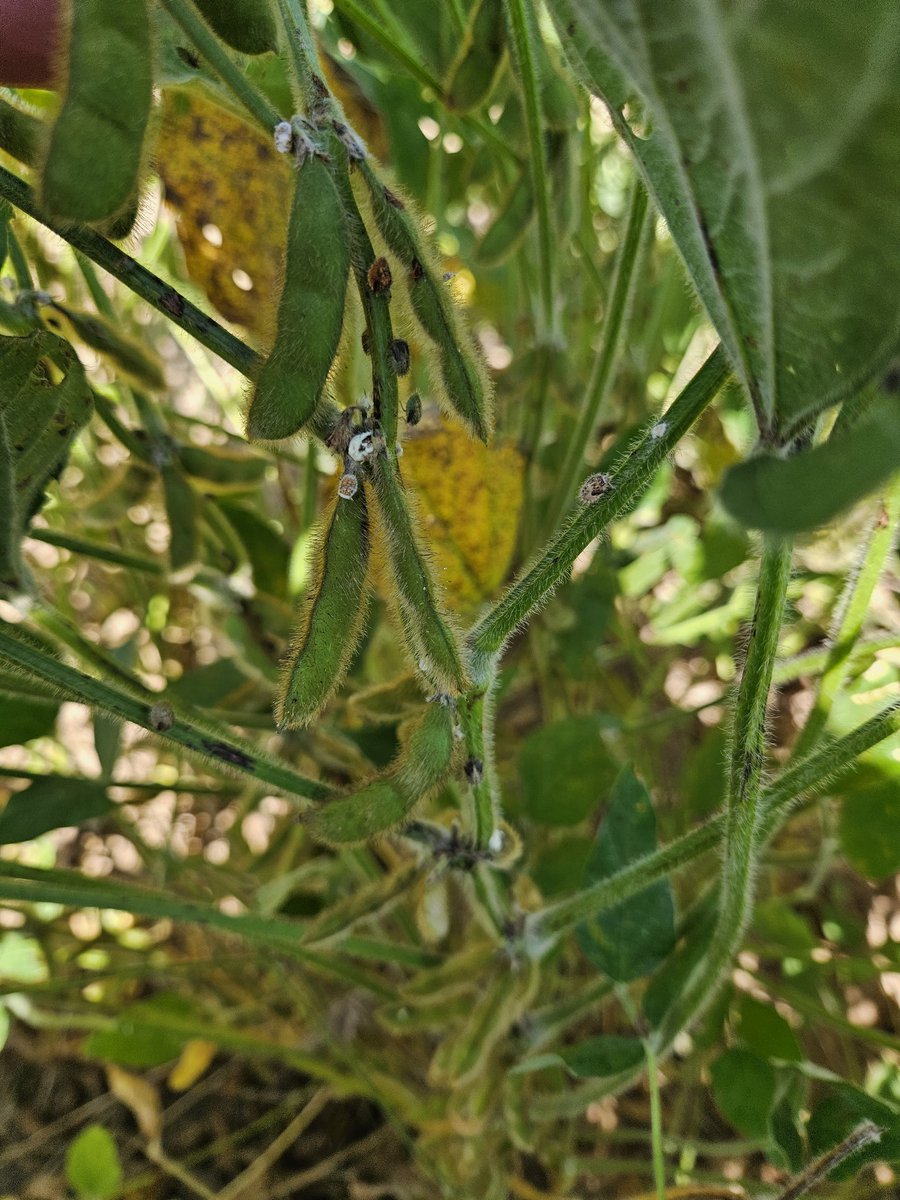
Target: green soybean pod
point(20, 132)
point(94, 155)
point(332, 616)
point(310, 311)
point(429, 637)
point(246, 25)
point(459, 365)
point(9, 533)
point(182, 512)
point(474, 70)
point(387, 800)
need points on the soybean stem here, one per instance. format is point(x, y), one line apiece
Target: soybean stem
point(210, 48)
point(615, 321)
point(630, 481)
point(190, 730)
point(659, 1166)
point(302, 50)
point(162, 296)
point(522, 19)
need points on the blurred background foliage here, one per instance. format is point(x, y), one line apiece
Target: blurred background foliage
point(151, 1056)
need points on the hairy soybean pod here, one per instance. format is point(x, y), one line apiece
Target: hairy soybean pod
point(386, 801)
point(20, 132)
point(459, 365)
point(129, 355)
point(331, 619)
point(246, 25)
point(475, 67)
point(94, 156)
point(429, 638)
point(310, 311)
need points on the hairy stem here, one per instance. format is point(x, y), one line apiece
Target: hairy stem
point(865, 1134)
point(615, 323)
point(747, 757)
point(189, 730)
point(521, 19)
point(302, 51)
point(629, 482)
point(476, 718)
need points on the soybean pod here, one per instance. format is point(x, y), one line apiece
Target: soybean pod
point(292, 380)
point(428, 636)
point(387, 800)
point(459, 365)
point(20, 132)
point(245, 25)
point(94, 155)
point(331, 620)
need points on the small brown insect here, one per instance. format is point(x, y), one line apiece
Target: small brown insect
point(400, 356)
point(380, 278)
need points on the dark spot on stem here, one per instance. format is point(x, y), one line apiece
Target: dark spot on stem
point(172, 302)
point(228, 754)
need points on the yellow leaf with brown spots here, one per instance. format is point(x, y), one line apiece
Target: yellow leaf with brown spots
point(469, 499)
point(230, 191)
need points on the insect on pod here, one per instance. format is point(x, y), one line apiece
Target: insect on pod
point(246, 25)
point(387, 801)
point(595, 487)
point(332, 616)
point(399, 351)
point(94, 155)
point(458, 364)
point(310, 311)
point(414, 409)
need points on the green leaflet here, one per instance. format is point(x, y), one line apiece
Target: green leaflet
point(388, 800)
point(631, 939)
point(332, 616)
point(311, 310)
point(51, 803)
point(458, 367)
point(773, 158)
point(475, 67)
point(429, 638)
point(246, 25)
point(182, 512)
point(95, 150)
point(44, 402)
point(793, 495)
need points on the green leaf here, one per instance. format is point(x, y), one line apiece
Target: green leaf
point(21, 959)
point(51, 803)
point(835, 1117)
point(92, 1164)
point(743, 1085)
point(22, 719)
point(603, 1056)
point(867, 814)
point(793, 495)
point(764, 1030)
point(632, 939)
point(772, 154)
point(565, 770)
point(139, 1037)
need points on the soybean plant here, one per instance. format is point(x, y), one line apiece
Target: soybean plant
point(475, 955)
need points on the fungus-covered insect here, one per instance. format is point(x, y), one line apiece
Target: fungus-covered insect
point(595, 487)
point(348, 486)
point(380, 277)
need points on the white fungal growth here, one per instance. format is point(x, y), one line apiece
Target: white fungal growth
point(284, 137)
point(658, 430)
point(161, 717)
point(594, 487)
point(495, 842)
point(362, 446)
point(348, 486)
point(365, 404)
point(398, 449)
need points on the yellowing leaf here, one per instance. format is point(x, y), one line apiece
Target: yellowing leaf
point(469, 500)
point(230, 190)
point(138, 1095)
point(192, 1062)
